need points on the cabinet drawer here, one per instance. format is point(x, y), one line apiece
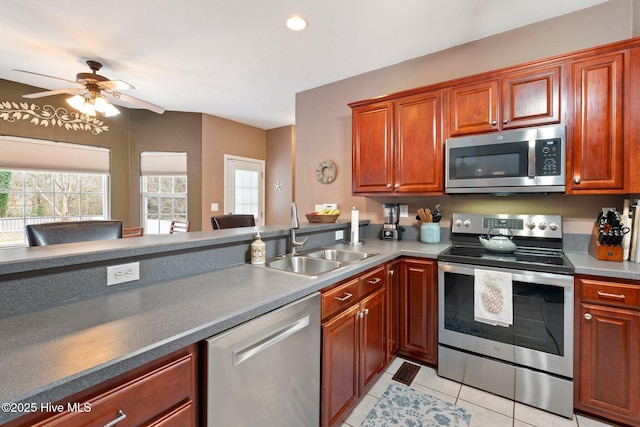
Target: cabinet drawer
point(340, 297)
point(620, 294)
point(372, 281)
point(140, 400)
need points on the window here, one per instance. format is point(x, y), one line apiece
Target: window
point(34, 197)
point(164, 190)
point(46, 181)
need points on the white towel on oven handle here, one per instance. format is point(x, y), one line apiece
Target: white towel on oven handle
point(493, 297)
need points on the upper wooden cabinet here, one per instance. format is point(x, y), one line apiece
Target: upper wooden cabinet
point(519, 99)
point(597, 147)
point(397, 146)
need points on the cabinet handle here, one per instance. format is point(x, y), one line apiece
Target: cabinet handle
point(397, 185)
point(119, 417)
point(607, 295)
point(374, 281)
point(366, 311)
point(577, 180)
point(505, 121)
point(346, 296)
point(388, 185)
point(587, 316)
point(360, 314)
point(493, 123)
point(391, 272)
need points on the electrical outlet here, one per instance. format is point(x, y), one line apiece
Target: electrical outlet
point(339, 234)
point(123, 273)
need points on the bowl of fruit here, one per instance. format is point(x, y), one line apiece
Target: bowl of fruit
point(323, 216)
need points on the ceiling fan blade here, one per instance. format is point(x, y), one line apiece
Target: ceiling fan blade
point(117, 96)
point(44, 75)
point(53, 92)
point(114, 85)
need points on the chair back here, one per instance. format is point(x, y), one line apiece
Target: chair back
point(179, 227)
point(133, 232)
point(54, 233)
point(232, 221)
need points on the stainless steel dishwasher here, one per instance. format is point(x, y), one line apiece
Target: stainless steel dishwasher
point(266, 372)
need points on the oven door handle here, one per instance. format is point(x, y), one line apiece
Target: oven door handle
point(532, 159)
point(549, 279)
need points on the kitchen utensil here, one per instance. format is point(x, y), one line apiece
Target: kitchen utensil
point(421, 215)
point(498, 243)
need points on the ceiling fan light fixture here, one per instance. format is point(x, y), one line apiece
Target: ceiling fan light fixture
point(110, 110)
point(296, 23)
point(81, 104)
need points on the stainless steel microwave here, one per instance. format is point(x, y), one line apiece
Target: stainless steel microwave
point(530, 160)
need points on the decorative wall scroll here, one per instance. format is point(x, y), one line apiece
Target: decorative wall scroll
point(49, 115)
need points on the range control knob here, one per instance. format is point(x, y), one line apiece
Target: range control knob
point(531, 225)
point(542, 225)
point(458, 223)
point(467, 223)
point(553, 226)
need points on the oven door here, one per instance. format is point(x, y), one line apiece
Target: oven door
point(541, 336)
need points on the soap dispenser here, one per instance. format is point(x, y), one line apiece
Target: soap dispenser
point(258, 250)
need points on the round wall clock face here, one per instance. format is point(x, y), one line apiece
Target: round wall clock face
point(326, 172)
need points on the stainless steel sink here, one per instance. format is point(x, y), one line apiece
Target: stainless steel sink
point(317, 261)
point(339, 255)
point(303, 265)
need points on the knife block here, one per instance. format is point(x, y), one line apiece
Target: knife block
point(603, 252)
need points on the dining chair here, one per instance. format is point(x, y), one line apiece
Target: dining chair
point(219, 222)
point(133, 232)
point(179, 227)
point(54, 233)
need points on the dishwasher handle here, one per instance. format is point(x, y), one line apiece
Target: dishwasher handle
point(251, 350)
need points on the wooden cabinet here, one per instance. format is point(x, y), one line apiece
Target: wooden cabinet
point(419, 310)
point(517, 99)
point(596, 159)
point(607, 345)
point(353, 342)
point(161, 393)
point(393, 308)
point(397, 146)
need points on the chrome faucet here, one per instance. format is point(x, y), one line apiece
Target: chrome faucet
point(294, 245)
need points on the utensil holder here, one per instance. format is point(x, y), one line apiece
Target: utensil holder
point(430, 232)
point(603, 252)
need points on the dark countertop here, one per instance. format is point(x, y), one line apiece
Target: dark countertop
point(52, 353)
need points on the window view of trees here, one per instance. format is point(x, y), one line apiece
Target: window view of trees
point(165, 199)
point(36, 197)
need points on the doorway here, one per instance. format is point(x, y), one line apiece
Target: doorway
point(244, 186)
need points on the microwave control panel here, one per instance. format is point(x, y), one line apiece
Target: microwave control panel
point(548, 157)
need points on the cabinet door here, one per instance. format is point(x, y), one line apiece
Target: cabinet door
point(474, 108)
point(393, 308)
point(597, 143)
point(339, 364)
point(372, 128)
point(372, 342)
point(531, 98)
point(418, 310)
point(418, 144)
point(609, 373)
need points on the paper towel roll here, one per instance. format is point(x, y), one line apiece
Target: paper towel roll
point(355, 225)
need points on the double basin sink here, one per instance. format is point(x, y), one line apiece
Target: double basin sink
point(317, 261)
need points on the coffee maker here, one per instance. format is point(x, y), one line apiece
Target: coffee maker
point(390, 228)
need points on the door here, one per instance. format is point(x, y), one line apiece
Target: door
point(393, 308)
point(244, 187)
point(474, 108)
point(597, 160)
point(372, 348)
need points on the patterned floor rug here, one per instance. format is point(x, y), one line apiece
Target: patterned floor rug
point(403, 406)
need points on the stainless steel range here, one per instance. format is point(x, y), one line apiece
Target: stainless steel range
point(505, 315)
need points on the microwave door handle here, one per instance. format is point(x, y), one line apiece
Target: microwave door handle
point(532, 159)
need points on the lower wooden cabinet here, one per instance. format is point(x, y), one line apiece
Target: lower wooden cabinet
point(161, 393)
point(607, 345)
point(393, 308)
point(419, 310)
point(353, 343)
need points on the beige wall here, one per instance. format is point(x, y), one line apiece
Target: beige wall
point(280, 169)
point(323, 118)
point(220, 137)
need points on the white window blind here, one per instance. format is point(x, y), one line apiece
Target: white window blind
point(32, 154)
point(157, 163)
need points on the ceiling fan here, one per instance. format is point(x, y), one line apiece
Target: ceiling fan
point(96, 93)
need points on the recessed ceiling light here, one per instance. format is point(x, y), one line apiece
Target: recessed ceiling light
point(296, 23)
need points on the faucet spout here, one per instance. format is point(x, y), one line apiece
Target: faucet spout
point(294, 244)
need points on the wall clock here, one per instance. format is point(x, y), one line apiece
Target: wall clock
point(326, 172)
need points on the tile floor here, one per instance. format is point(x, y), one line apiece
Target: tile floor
point(487, 410)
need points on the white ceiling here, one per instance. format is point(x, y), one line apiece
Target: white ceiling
point(236, 59)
